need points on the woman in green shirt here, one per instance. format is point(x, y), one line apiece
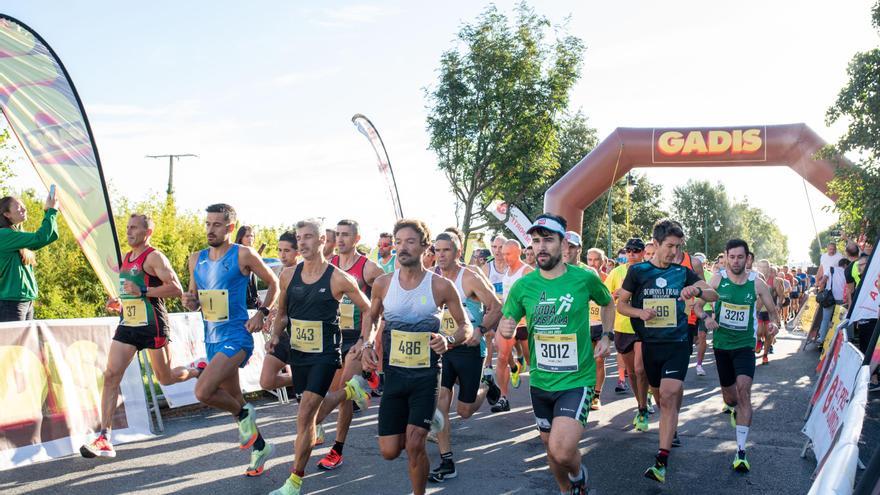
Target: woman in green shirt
point(18, 286)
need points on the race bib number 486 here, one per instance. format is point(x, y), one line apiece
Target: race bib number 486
point(556, 353)
point(410, 349)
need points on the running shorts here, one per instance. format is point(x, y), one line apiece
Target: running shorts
point(764, 316)
point(314, 378)
point(467, 369)
point(407, 400)
point(231, 346)
point(522, 333)
point(572, 403)
point(595, 333)
point(142, 337)
point(625, 342)
point(665, 360)
point(282, 350)
point(732, 363)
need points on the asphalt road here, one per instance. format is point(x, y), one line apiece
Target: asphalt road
point(495, 453)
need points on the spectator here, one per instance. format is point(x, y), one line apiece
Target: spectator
point(827, 261)
point(835, 281)
point(18, 286)
point(245, 237)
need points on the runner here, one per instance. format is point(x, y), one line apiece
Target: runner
point(555, 301)
point(429, 258)
point(572, 254)
point(735, 335)
point(411, 299)
point(218, 286)
point(365, 273)
point(463, 363)
point(627, 343)
point(702, 335)
point(511, 365)
point(653, 297)
point(495, 269)
point(765, 333)
point(530, 257)
point(309, 304)
point(147, 280)
point(649, 251)
point(695, 265)
point(387, 259)
point(595, 260)
point(275, 373)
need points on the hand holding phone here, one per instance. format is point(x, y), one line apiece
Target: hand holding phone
point(51, 200)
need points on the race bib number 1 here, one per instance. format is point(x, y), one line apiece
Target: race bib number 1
point(556, 353)
point(666, 310)
point(734, 316)
point(215, 305)
point(410, 349)
point(134, 313)
point(307, 336)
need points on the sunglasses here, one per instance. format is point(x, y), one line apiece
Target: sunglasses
point(384, 244)
point(633, 250)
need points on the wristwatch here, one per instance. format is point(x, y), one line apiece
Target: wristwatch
point(264, 310)
point(482, 329)
point(610, 335)
point(450, 339)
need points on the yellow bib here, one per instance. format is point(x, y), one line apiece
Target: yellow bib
point(215, 305)
point(447, 324)
point(307, 336)
point(346, 316)
point(134, 313)
point(595, 314)
point(410, 349)
point(666, 309)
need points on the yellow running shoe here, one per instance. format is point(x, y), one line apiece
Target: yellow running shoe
point(291, 486)
point(656, 473)
point(514, 374)
point(258, 460)
point(641, 421)
point(740, 463)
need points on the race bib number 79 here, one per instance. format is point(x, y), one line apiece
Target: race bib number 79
point(556, 353)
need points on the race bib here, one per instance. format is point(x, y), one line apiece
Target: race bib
point(595, 314)
point(346, 316)
point(556, 353)
point(410, 349)
point(307, 336)
point(134, 313)
point(666, 309)
point(734, 316)
point(447, 323)
point(215, 305)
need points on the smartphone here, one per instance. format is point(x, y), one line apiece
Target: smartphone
point(52, 191)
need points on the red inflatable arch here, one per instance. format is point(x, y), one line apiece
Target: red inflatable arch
point(627, 148)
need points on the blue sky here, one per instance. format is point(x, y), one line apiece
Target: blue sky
point(264, 93)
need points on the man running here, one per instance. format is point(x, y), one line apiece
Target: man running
point(387, 259)
point(595, 260)
point(653, 297)
point(530, 256)
point(273, 375)
point(463, 363)
point(627, 343)
point(218, 286)
point(735, 329)
point(555, 301)
point(147, 280)
point(494, 270)
point(511, 364)
point(309, 310)
point(702, 336)
point(411, 299)
point(365, 273)
point(695, 265)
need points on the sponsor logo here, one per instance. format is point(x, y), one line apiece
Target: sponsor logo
point(705, 145)
point(661, 282)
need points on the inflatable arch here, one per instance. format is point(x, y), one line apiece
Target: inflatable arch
point(626, 148)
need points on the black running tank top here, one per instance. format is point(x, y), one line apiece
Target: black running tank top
point(313, 320)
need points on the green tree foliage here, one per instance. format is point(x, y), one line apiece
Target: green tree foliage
point(832, 233)
point(858, 188)
point(493, 112)
point(5, 164)
point(632, 214)
point(698, 204)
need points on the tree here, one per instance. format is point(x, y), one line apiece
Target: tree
point(698, 205)
point(763, 235)
point(858, 188)
point(492, 116)
point(5, 164)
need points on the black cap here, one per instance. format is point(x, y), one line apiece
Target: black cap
point(635, 243)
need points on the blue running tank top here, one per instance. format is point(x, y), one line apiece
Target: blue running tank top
point(222, 294)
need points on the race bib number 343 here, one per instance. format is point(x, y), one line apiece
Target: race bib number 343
point(410, 349)
point(307, 336)
point(556, 353)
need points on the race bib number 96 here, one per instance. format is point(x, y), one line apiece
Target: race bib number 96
point(556, 353)
point(410, 349)
point(666, 310)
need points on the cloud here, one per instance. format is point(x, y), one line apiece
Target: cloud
point(351, 15)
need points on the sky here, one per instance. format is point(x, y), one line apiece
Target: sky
point(264, 94)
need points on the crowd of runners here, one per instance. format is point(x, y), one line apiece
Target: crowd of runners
point(416, 322)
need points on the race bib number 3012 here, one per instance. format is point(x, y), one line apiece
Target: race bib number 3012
point(556, 353)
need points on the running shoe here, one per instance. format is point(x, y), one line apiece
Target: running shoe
point(372, 379)
point(731, 411)
point(258, 460)
point(444, 472)
point(502, 405)
point(676, 442)
point(641, 421)
point(377, 392)
point(650, 403)
point(356, 390)
point(292, 486)
point(198, 365)
point(740, 463)
point(494, 393)
point(595, 404)
point(700, 370)
point(319, 433)
point(765, 359)
point(99, 447)
point(437, 422)
point(580, 487)
point(656, 473)
point(514, 375)
point(759, 346)
point(247, 428)
point(621, 387)
point(330, 461)
point(770, 349)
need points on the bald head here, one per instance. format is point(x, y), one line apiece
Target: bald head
point(511, 251)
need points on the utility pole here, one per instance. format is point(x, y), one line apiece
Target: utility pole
point(171, 158)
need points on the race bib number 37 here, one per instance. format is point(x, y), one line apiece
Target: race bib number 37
point(734, 316)
point(666, 313)
point(307, 336)
point(556, 353)
point(410, 349)
point(215, 305)
point(134, 313)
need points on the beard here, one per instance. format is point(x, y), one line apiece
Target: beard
point(736, 271)
point(550, 263)
point(409, 260)
point(217, 242)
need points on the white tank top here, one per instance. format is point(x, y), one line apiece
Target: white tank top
point(508, 280)
point(410, 306)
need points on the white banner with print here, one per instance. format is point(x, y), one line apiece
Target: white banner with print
point(518, 222)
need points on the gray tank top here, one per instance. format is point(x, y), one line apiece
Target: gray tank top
point(411, 306)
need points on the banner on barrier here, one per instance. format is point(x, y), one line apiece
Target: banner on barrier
point(517, 222)
point(51, 377)
point(826, 418)
point(188, 345)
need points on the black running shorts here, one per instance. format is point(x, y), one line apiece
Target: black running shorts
point(407, 400)
point(595, 333)
point(664, 360)
point(732, 363)
point(147, 337)
point(282, 350)
point(315, 378)
point(467, 369)
point(625, 342)
point(522, 333)
point(572, 403)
